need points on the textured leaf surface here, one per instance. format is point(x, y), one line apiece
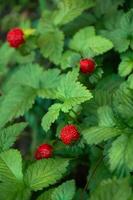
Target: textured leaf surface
point(18, 101)
point(73, 95)
point(8, 135)
point(65, 191)
point(126, 65)
point(28, 75)
point(43, 173)
point(95, 135)
point(123, 103)
point(51, 44)
point(11, 166)
point(70, 9)
point(120, 154)
point(51, 116)
point(112, 189)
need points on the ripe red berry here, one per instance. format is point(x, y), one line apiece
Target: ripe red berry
point(87, 66)
point(44, 151)
point(15, 37)
point(69, 134)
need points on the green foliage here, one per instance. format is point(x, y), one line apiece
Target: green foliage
point(122, 35)
point(51, 44)
point(65, 191)
point(43, 89)
point(51, 116)
point(95, 135)
point(112, 189)
point(15, 103)
point(70, 9)
point(126, 65)
point(9, 135)
point(89, 44)
point(11, 166)
point(67, 188)
point(120, 154)
point(44, 173)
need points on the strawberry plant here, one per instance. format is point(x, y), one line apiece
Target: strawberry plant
point(66, 100)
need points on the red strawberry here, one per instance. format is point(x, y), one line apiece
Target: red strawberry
point(44, 151)
point(69, 134)
point(87, 66)
point(15, 37)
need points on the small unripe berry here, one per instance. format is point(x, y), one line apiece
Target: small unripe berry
point(69, 134)
point(87, 66)
point(44, 151)
point(15, 37)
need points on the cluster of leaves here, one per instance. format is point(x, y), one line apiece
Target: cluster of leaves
point(42, 89)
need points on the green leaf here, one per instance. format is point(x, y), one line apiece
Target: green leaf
point(90, 45)
point(130, 81)
point(81, 38)
point(112, 189)
point(65, 191)
point(120, 153)
point(45, 172)
point(70, 9)
point(51, 116)
point(95, 135)
point(51, 44)
point(70, 59)
point(106, 116)
point(8, 135)
point(5, 58)
point(73, 95)
point(98, 45)
point(11, 166)
point(48, 84)
point(28, 75)
point(126, 65)
point(46, 195)
point(123, 103)
point(121, 36)
point(15, 103)
point(14, 191)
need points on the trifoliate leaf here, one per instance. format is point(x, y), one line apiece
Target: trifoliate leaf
point(95, 135)
point(11, 166)
point(51, 44)
point(51, 116)
point(8, 135)
point(70, 9)
point(45, 172)
point(90, 45)
point(73, 95)
point(120, 154)
point(112, 189)
point(15, 103)
point(65, 191)
point(81, 38)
